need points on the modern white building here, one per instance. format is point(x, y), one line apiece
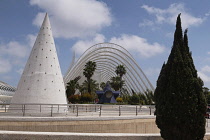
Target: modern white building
point(41, 81)
point(107, 57)
point(6, 92)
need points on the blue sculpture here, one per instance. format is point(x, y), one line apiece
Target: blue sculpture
point(107, 95)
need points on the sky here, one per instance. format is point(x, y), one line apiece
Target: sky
point(144, 27)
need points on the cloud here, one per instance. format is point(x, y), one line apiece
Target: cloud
point(81, 46)
point(13, 54)
point(14, 49)
point(169, 35)
point(5, 66)
point(20, 71)
point(39, 19)
point(204, 73)
point(138, 46)
point(31, 39)
point(203, 76)
point(152, 71)
point(74, 18)
point(207, 14)
point(170, 14)
point(206, 69)
point(146, 23)
point(134, 44)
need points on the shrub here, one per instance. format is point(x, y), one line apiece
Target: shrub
point(74, 98)
point(86, 97)
point(119, 100)
point(134, 99)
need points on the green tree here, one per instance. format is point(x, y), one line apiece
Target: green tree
point(102, 85)
point(125, 98)
point(124, 90)
point(88, 72)
point(146, 98)
point(116, 83)
point(120, 71)
point(206, 92)
point(179, 98)
point(93, 86)
point(149, 97)
point(72, 85)
point(134, 99)
point(208, 98)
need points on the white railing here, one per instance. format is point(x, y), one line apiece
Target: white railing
point(73, 110)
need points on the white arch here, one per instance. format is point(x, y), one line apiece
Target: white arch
point(107, 57)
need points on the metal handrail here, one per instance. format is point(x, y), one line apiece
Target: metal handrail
point(70, 109)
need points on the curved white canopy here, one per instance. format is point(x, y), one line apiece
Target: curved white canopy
point(107, 57)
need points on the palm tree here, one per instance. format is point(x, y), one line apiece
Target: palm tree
point(147, 98)
point(102, 85)
point(116, 83)
point(88, 72)
point(150, 97)
point(93, 86)
point(72, 85)
point(120, 71)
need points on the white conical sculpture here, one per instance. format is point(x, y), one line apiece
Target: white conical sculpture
point(41, 81)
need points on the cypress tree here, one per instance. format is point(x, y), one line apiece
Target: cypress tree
point(179, 98)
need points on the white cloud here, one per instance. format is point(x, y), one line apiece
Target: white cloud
point(146, 23)
point(207, 14)
point(31, 39)
point(20, 71)
point(169, 35)
point(204, 73)
point(152, 71)
point(14, 54)
point(138, 46)
point(5, 66)
point(81, 46)
point(203, 76)
point(14, 49)
point(206, 69)
point(74, 18)
point(39, 19)
point(170, 14)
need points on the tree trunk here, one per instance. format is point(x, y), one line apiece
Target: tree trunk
point(89, 90)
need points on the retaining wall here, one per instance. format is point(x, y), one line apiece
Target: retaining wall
point(20, 135)
point(81, 125)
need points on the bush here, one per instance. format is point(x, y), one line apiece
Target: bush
point(74, 98)
point(86, 97)
point(126, 98)
point(134, 99)
point(119, 100)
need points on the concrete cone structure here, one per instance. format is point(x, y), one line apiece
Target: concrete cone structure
point(41, 81)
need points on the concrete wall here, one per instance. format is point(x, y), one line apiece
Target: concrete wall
point(91, 125)
point(112, 128)
point(20, 135)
